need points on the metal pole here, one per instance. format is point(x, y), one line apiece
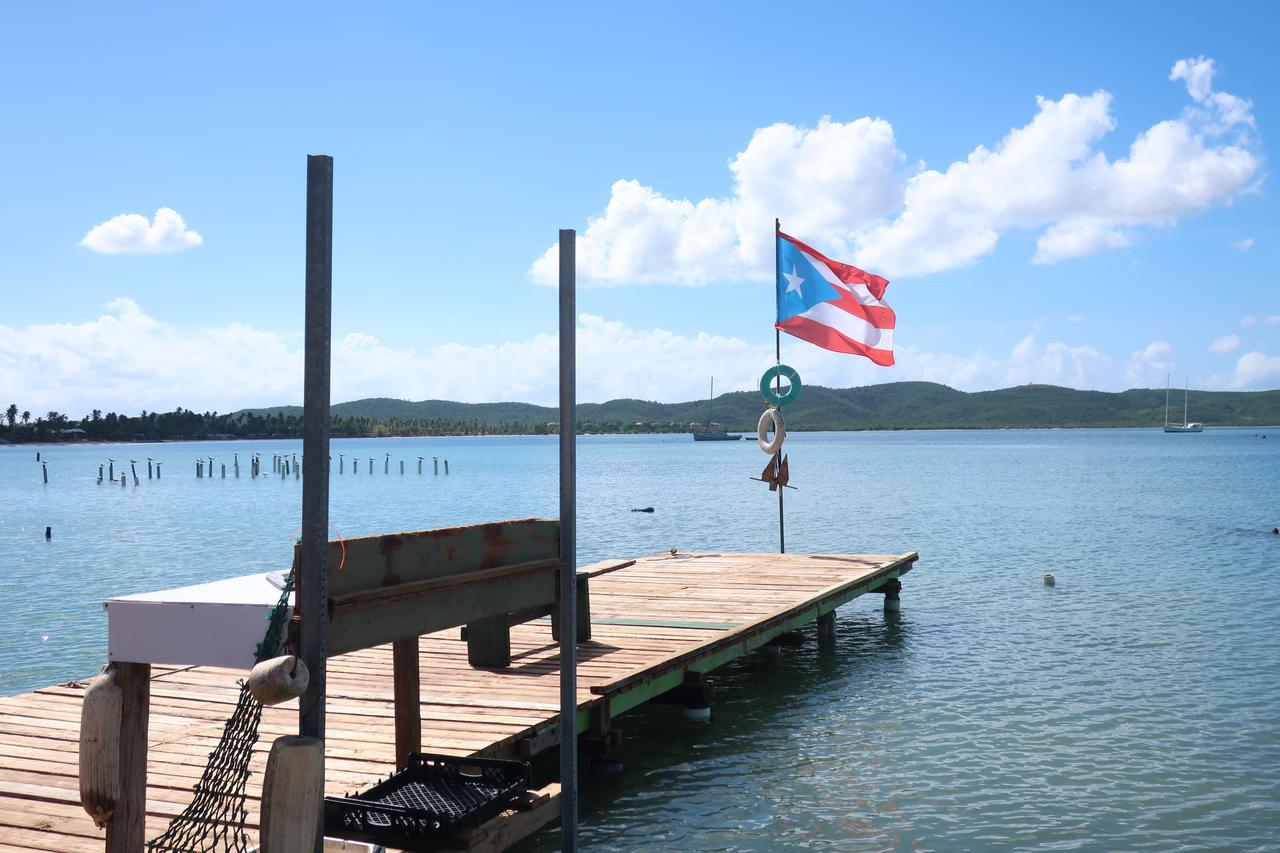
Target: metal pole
point(568, 549)
point(777, 352)
point(313, 584)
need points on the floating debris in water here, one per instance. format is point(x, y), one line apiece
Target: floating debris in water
point(1049, 579)
point(643, 509)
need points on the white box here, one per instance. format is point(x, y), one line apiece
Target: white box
point(209, 624)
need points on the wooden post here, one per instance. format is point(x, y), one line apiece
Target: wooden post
point(827, 625)
point(44, 467)
point(584, 613)
point(446, 467)
point(126, 830)
point(408, 699)
point(401, 466)
point(489, 642)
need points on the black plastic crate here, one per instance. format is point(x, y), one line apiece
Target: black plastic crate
point(429, 799)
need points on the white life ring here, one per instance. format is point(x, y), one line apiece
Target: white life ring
point(774, 417)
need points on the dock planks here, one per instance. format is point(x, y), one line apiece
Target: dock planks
point(652, 621)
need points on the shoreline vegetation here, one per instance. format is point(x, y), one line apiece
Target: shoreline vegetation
point(891, 406)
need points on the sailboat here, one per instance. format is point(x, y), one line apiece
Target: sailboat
point(713, 431)
point(1186, 426)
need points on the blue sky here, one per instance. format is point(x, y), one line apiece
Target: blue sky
point(465, 135)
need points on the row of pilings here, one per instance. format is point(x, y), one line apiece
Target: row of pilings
point(285, 465)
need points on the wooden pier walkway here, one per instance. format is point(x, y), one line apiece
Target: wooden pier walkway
point(657, 623)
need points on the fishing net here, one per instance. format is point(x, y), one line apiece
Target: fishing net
point(214, 821)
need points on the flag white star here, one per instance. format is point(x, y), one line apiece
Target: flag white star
point(793, 281)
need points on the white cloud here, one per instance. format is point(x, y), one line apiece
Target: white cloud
point(1243, 245)
point(845, 187)
point(1226, 343)
point(1249, 322)
point(819, 180)
point(133, 234)
point(1077, 239)
point(1149, 367)
point(1257, 370)
point(1273, 320)
point(1074, 318)
point(127, 361)
point(1224, 109)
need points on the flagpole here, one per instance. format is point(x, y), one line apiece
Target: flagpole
point(777, 352)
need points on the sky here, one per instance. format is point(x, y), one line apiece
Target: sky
point(1077, 194)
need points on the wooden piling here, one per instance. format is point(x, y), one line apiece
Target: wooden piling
point(126, 832)
point(446, 467)
point(407, 693)
point(402, 467)
point(45, 469)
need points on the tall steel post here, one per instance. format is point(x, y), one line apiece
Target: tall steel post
point(568, 548)
point(313, 583)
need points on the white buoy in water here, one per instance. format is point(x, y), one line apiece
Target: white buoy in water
point(1049, 579)
point(698, 715)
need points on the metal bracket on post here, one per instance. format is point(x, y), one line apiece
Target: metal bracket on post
point(568, 622)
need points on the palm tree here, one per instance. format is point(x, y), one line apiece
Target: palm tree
point(26, 418)
point(11, 414)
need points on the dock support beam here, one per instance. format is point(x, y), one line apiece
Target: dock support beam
point(890, 590)
point(126, 831)
point(406, 686)
point(568, 544)
point(827, 625)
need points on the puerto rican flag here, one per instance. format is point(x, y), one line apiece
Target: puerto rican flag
point(832, 305)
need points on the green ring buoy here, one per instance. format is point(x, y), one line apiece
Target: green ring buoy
point(772, 397)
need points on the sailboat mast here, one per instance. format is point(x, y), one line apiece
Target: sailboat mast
point(1166, 401)
point(712, 403)
point(1186, 391)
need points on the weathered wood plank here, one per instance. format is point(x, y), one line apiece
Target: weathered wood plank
point(376, 561)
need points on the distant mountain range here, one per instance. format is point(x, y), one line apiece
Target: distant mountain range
point(895, 405)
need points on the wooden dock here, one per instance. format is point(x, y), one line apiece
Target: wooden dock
point(659, 624)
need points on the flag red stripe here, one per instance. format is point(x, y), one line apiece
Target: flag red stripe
point(828, 338)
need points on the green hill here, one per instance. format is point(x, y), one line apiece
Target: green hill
point(895, 405)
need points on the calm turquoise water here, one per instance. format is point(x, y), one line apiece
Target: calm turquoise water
point(1136, 705)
